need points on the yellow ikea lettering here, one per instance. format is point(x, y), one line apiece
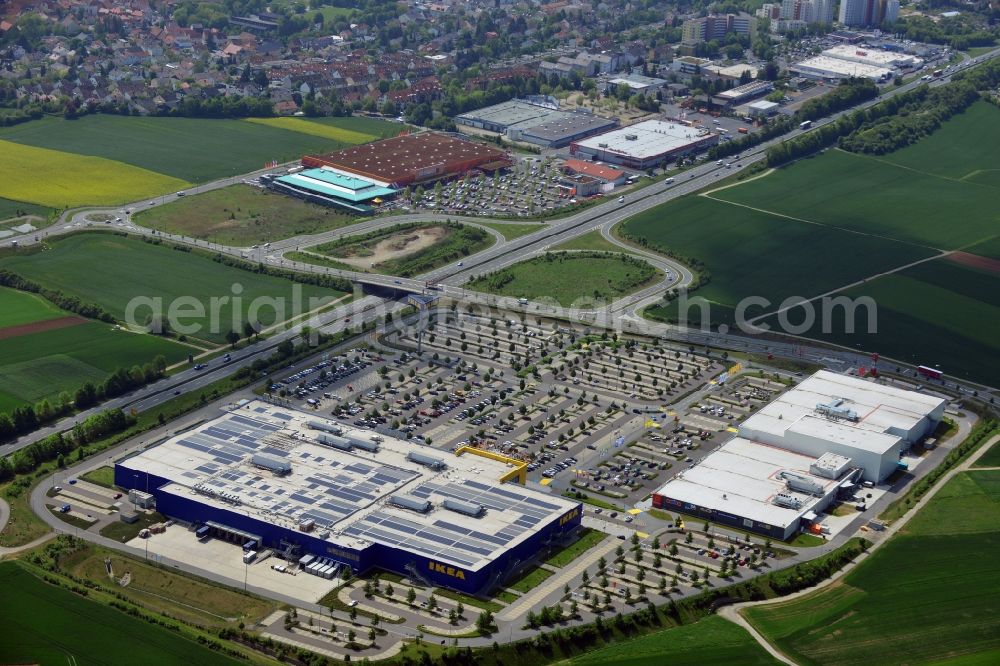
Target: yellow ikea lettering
point(569, 516)
point(437, 567)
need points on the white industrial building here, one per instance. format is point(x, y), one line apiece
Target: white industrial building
point(752, 486)
point(825, 67)
point(644, 145)
point(798, 453)
point(875, 57)
point(872, 424)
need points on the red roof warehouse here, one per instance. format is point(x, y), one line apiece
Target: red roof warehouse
point(605, 173)
point(413, 158)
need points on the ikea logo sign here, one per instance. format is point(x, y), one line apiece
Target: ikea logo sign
point(437, 567)
point(569, 516)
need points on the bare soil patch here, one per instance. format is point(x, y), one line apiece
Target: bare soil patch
point(976, 261)
point(40, 327)
point(396, 246)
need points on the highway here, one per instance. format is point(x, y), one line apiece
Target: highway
point(622, 315)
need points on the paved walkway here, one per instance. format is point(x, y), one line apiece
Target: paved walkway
point(565, 576)
point(734, 612)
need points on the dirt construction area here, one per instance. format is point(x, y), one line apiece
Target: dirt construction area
point(396, 246)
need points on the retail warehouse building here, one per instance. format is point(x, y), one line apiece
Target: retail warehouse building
point(793, 458)
point(311, 489)
point(644, 145)
point(542, 124)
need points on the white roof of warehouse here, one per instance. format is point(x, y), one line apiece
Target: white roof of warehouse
point(740, 478)
point(838, 67)
point(879, 408)
point(870, 56)
point(653, 137)
point(347, 492)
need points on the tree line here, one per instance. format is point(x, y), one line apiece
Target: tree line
point(61, 444)
point(28, 418)
point(849, 93)
point(70, 303)
point(895, 122)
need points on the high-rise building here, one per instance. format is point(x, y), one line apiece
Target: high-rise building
point(716, 27)
point(863, 13)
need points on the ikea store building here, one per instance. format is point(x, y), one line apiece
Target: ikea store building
point(310, 488)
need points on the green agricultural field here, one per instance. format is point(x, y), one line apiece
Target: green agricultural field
point(569, 277)
point(963, 147)
point(871, 195)
point(42, 365)
point(19, 307)
point(44, 624)
point(405, 250)
point(987, 248)
point(752, 253)
point(58, 179)
point(189, 149)
point(514, 229)
point(11, 209)
point(928, 595)
point(131, 268)
point(381, 129)
point(938, 313)
point(709, 642)
point(242, 216)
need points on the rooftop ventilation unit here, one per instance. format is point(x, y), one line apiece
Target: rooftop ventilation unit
point(410, 502)
point(426, 460)
point(467, 508)
point(364, 444)
point(326, 427)
point(334, 442)
point(787, 501)
point(836, 409)
point(631, 137)
point(801, 483)
point(275, 465)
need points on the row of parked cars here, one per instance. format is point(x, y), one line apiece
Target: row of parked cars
point(558, 467)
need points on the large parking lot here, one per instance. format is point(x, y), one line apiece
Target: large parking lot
point(585, 413)
point(530, 188)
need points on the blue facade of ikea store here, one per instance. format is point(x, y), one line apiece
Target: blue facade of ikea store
point(190, 509)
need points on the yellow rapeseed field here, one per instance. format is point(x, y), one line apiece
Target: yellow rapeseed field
point(315, 129)
point(65, 180)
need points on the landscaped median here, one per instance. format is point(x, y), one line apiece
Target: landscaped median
point(570, 278)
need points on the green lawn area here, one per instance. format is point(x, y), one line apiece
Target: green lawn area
point(190, 149)
point(569, 278)
point(161, 590)
point(20, 307)
point(592, 240)
point(884, 199)
point(44, 624)
point(242, 216)
point(10, 209)
point(960, 148)
point(938, 313)
point(404, 250)
point(102, 476)
point(592, 501)
point(132, 268)
point(928, 595)
point(588, 539)
point(751, 253)
point(976, 51)
point(528, 579)
point(704, 643)
point(514, 229)
point(991, 458)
